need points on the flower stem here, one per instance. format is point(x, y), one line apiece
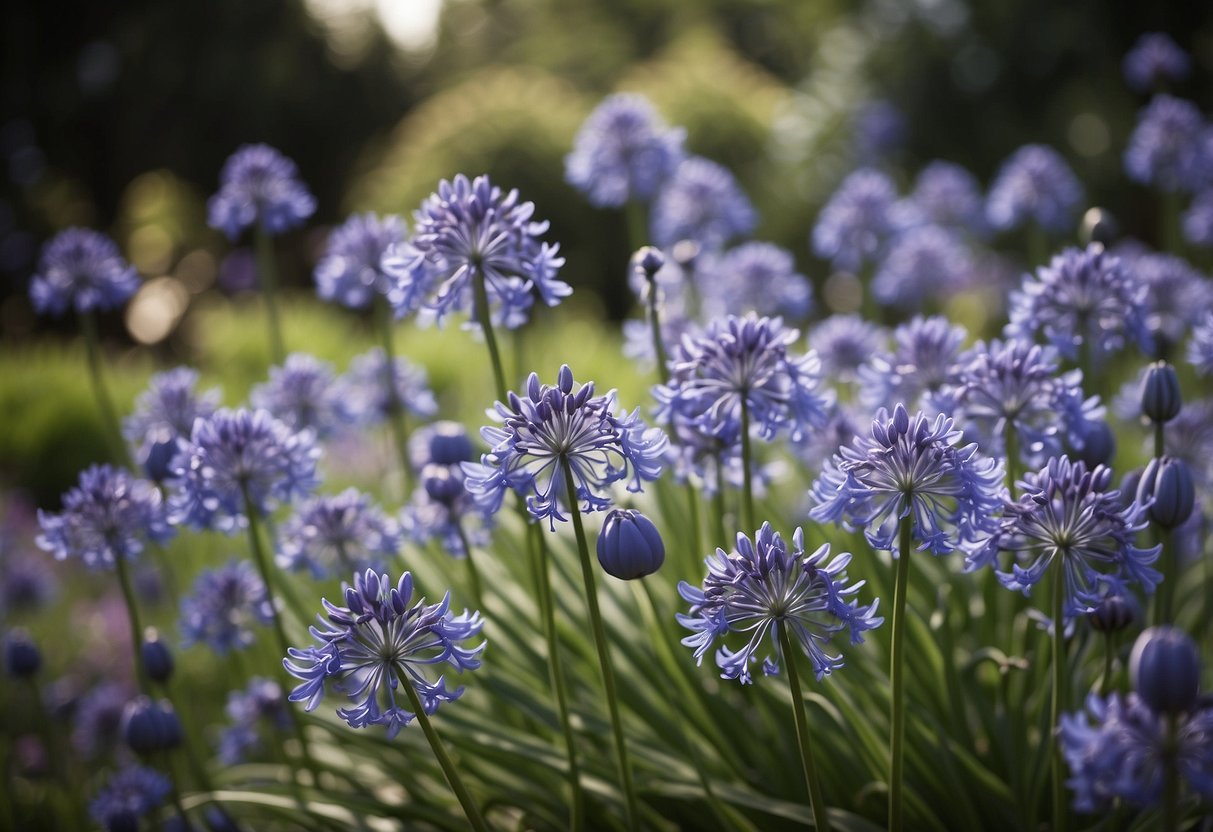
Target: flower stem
point(747, 477)
point(473, 574)
point(600, 642)
point(820, 819)
point(113, 430)
point(1160, 446)
point(1105, 683)
point(897, 649)
point(132, 613)
point(395, 408)
point(267, 276)
point(659, 353)
point(1059, 681)
point(482, 312)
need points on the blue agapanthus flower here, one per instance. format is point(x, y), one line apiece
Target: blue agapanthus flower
point(854, 225)
point(224, 606)
point(338, 534)
point(761, 586)
point(440, 443)
point(96, 721)
point(557, 424)
point(1200, 346)
point(382, 639)
point(304, 393)
point(1155, 60)
point(366, 397)
point(924, 359)
point(1198, 220)
point(238, 457)
point(81, 270)
point(110, 514)
point(1035, 185)
point(261, 705)
point(922, 264)
point(350, 271)
point(623, 152)
point(1178, 296)
point(1166, 149)
point(879, 130)
point(168, 407)
point(911, 467)
point(844, 343)
point(471, 228)
point(753, 277)
point(744, 359)
point(1082, 295)
point(259, 186)
point(444, 510)
point(131, 793)
point(947, 195)
point(1189, 436)
point(1069, 517)
point(701, 202)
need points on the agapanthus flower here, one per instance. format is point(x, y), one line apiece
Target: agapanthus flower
point(745, 362)
point(817, 447)
point(753, 277)
point(1189, 436)
point(303, 393)
point(167, 409)
point(27, 581)
point(1155, 60)
point(1178, 296)
point(1035, 185)
point(1197, 221)
point(1200, 346)
point(331, 535)
point(701, 202)
point(444, 510)
point(224, 606)
point(844, 343)
point(854, 225)
point(365, 394)
point(440, 443)
point(623, 152)
point(1069, 517)
point(260, 705)
point(237, 457)
point(923, 360)
point(259, 186)
point(469, 229)
point(923, 263)
point(379, 641)
point(947, 195)
point(350, 272)
point(97, 719)
point(1166, 148)
point(109, 515)
point(1082, 295)
point(130, 794)
point(759, 587)
point(910, 467)
point(880, 130)
point(82, 270)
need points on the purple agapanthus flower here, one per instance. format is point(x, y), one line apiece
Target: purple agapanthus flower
point(382, 639)
point(922, 264)
point(1155, 60)
point(879, 130)
point(947, 195)
point(1082, 295)
point(82, 270)
point(701, 202)
point(911, 468)
point(97, 719)
point(110, 514)
point(443, 510)
point(351, 272)
point(130, 794)
point(924, 358)
point(441, 443)
point(1197, 221)
point(623, 152)
point(760, 587)
point(844, 343)
point(239, 460)
point(168, 408)
point(259, 186)
point(472, 229)
point(338, 534)
point(304, 393)
point(261, 705)
point(556, 425)
point(225, 605)
point(1178, 296)
point(1200, 346)
point(854, 225)
point(1166, 149)
point(366, 397)
point(1189, 436)
point(1035, 185)
point(753, 277)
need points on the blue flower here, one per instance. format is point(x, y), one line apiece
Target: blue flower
point(378, 642)
point(109, 515)
point(701, 202)
point(261, 704)
point(759, 587)
point(1082, 295)
point(129, 795)
point(350, 271)
point(880, 130)
point(168, 407)
point(844, 343)
point(97, 719)
point(259, 186)
point(442, 508)
point(1166, 148)
point(441, 443)
point(1200, 346)
point(1035, 185)
point(1177, 296)
point(225, 605)
point(753, 277)
point(947, 195)
point(1154, 60)
point(239, 456)
point(81, 270)
point(1067, 516)
point(910, 467)
point(853, 226)
point(923, 263)
point(303, 393)
point(923, 360)
point(558, 424)
point(1189, 436)
point(1198, 220)
point(338, 534)
point(469, 228)
point(623, 152)
point(366, 398)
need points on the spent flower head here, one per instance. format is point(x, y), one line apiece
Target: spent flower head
point(81, 270)
point(259, 187)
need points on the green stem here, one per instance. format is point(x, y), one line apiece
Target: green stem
point(659, 353)
point(444, 759)
point(132, 612)
point(897, 649)
point(395, 407)
point(267, 276)
point(747, 477)
point(600, 642)
point(1038, 246)
point(1170, 236)
point(113, 429)
point(473, 574)
point(638, 234)
point(483, 315)
point(1059, 682)
point(1105, 683)
point(820, 818)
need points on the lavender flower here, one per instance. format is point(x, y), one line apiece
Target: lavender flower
point(760, 587)
point(1165, 150)
point(81, 270)
point(259, 186)
point(701, 202)
point(562, 425)
point(238, 457)
point(854, 225)
point(1035, 185)
point(923, 360)
point(1154, 60)
point(758, 277)
point(350, 272)
point(261, 704)
point(844, 343)
point(910, 468)
point(378, 642)
point(225, 605)
point(129, 795)
point(303, 393)
point(1177, 296)
point(1200, 346)
point(365, 398)
point(922, 263)
point(109, 515)
point(623, 152)
point(338, 534)
point(1198, 220)
point(947, 195)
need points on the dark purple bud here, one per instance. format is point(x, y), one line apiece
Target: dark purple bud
point(122, 820)
point(1160, 396)
point(629, 545)
point(650, 260)
point(156, 657)
point(444, 484)
point(156, 455)
point(450, 444)
point(1165, 670)
point(22, 659)
point(149, 726)
point(1112, 614)
point(1166, 486)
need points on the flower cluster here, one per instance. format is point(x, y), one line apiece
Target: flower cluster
point(260, 704)
point(854, 225)
point(163, 413)
point(753, 277)
point(337, 535)
point(1178, 297)
point(351, 272)
point(928, 262)
point(365, 395)
point(81, 270)
point(224, 606)
point(129, 795)
point(924, 357)
point(1034, 186)
point(701, 202)
point(948, 196)
point(259, 186)
point(303, 393)
point(1154, 60)
point(844, 343)
point(1166, 148)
